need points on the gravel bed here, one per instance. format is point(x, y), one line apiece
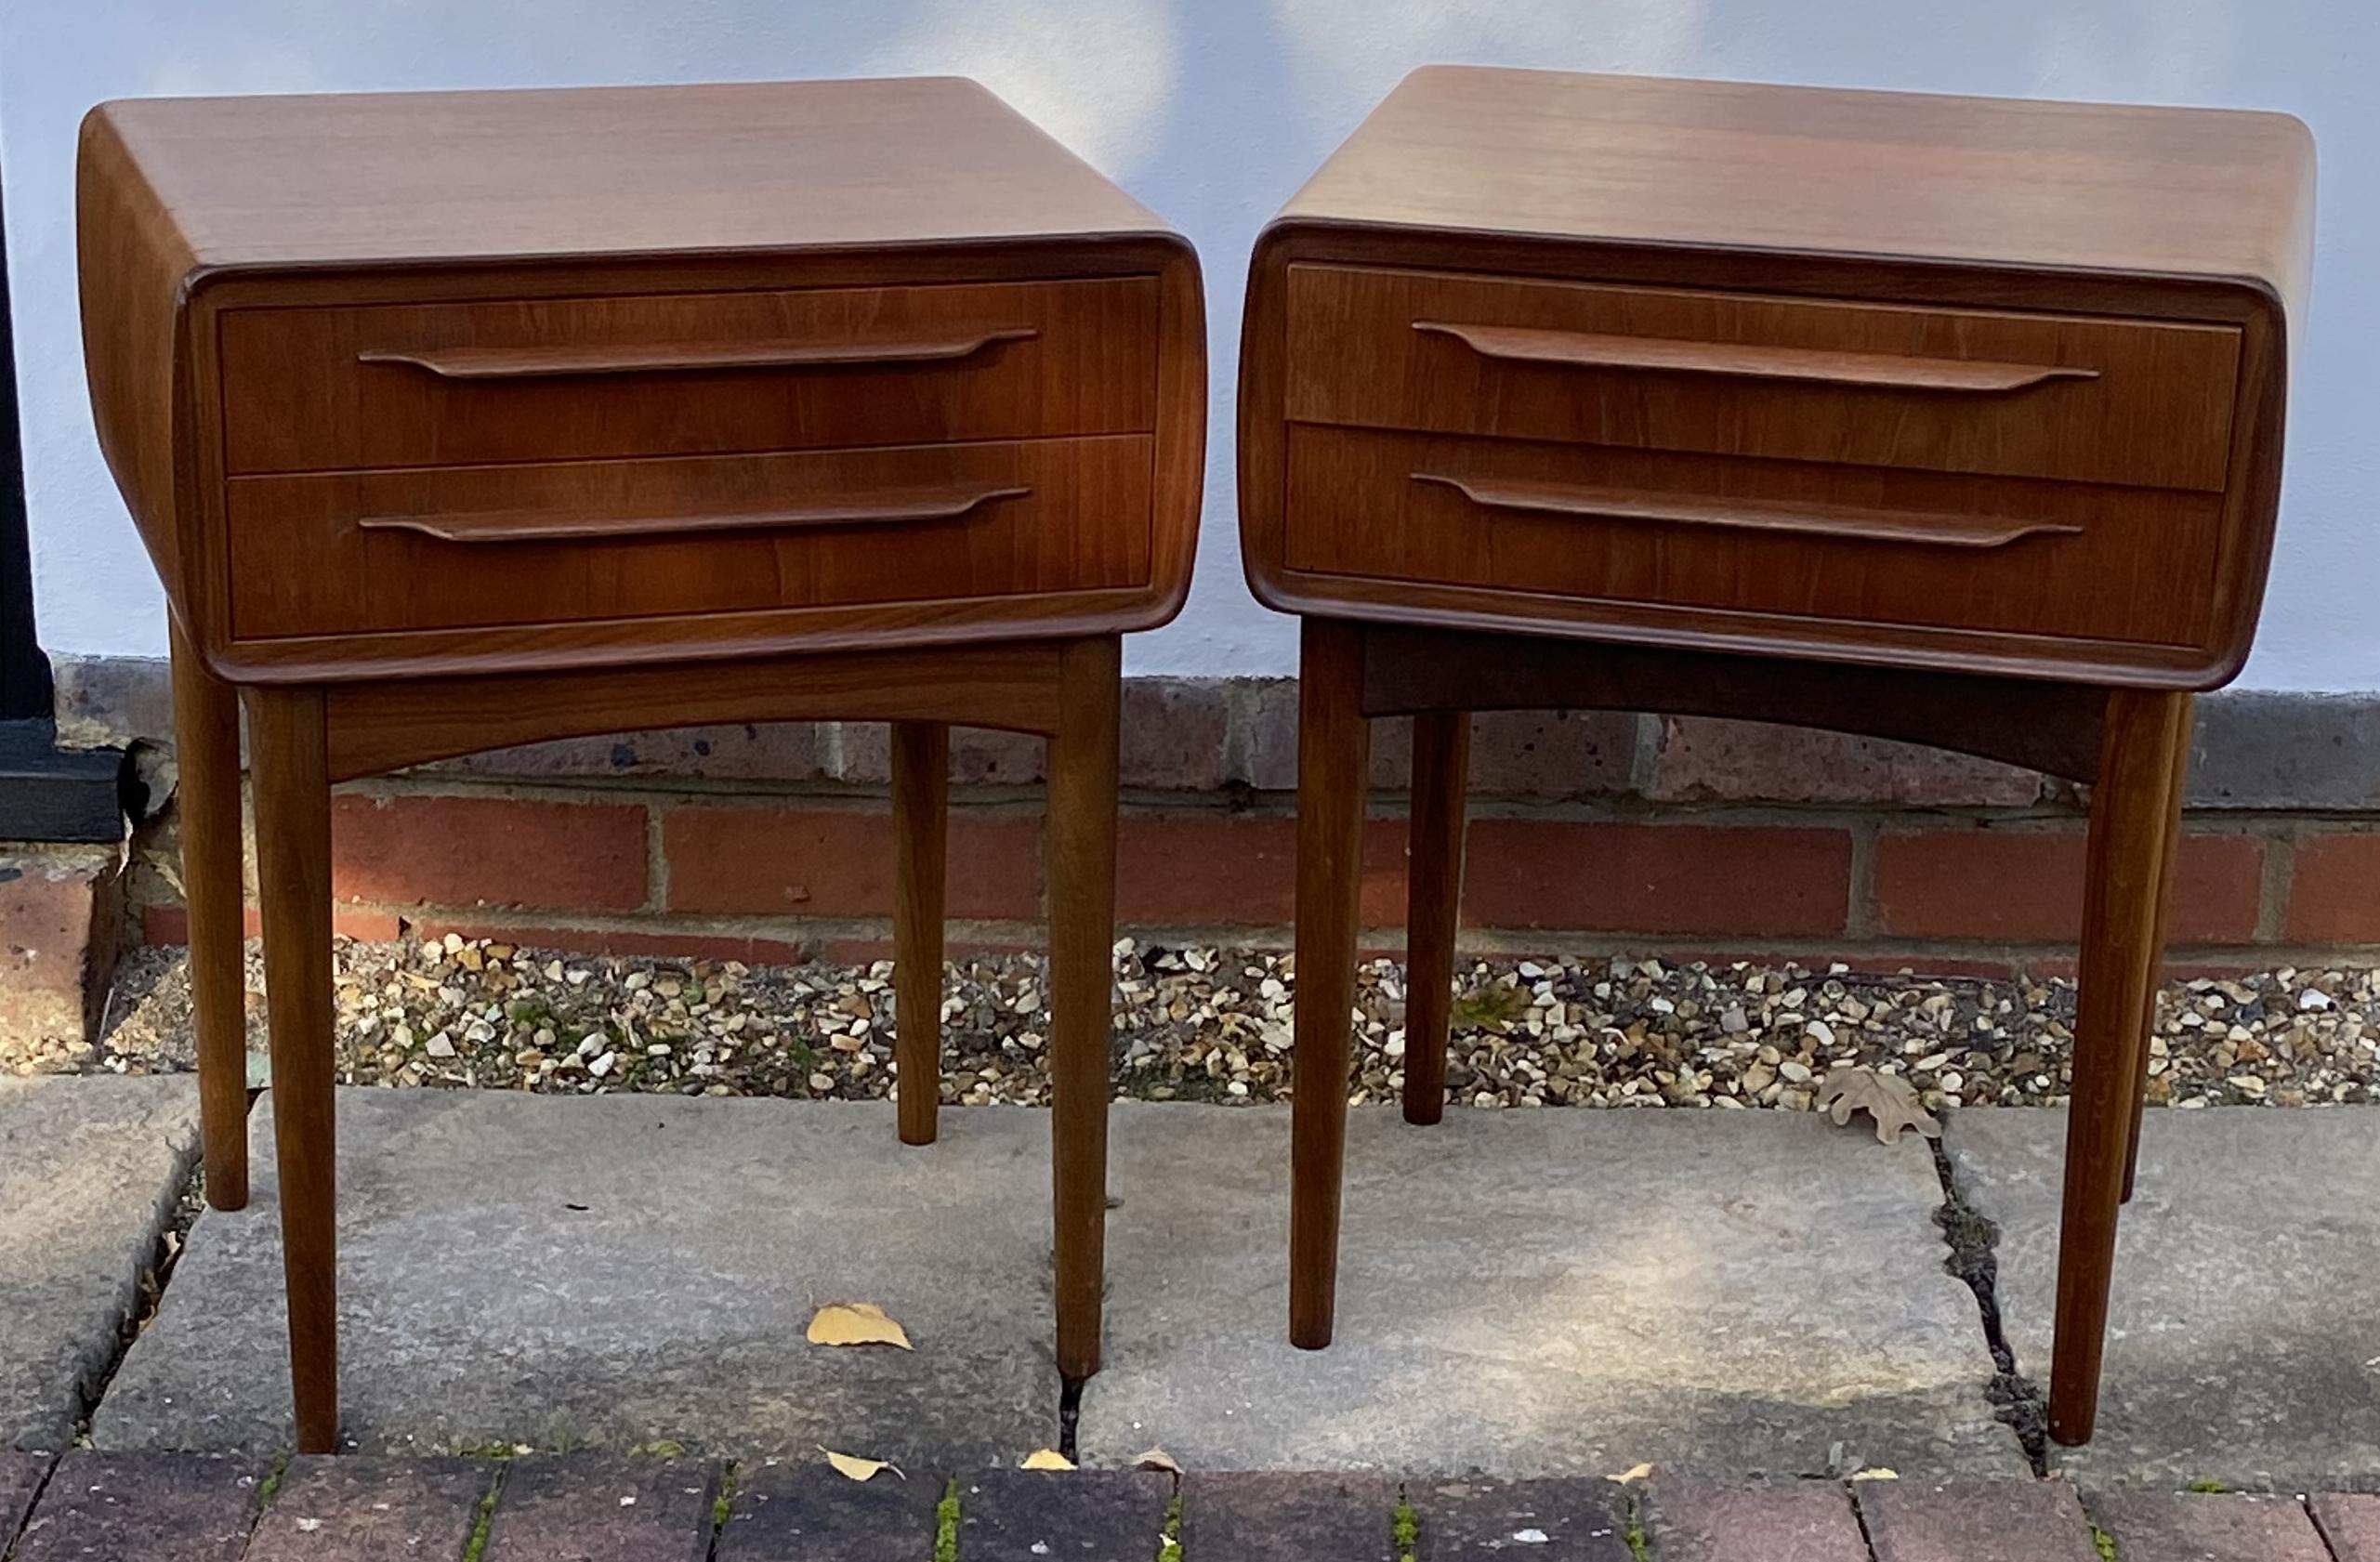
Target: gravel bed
point(1213, 1025)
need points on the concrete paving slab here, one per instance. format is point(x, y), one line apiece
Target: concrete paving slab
point(604, 1510)
point(352, 1508)
point(91, 1169)
point(612, 1271)
point(1692, 1519)
point(1542, 1293)
point(1561, 1518)
point(1079, 1516)
point(157, 1508)
point(2244, 1338)
point(2208, 1527)
point(800, 1511)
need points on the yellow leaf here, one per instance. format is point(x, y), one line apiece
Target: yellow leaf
point(856, 1323)
point(1046, 1459)
point(1158, 1459)
point(1634, 1474)
point(1880, 1472)
point(853, 1467)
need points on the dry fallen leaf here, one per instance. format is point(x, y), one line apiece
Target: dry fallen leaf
point(1046, 1459)
point(1633, 1473)
point(855, 1468)
point(1888, 1098)
point(1880, 1472)
point(856, 1323)
point(1158, 1459)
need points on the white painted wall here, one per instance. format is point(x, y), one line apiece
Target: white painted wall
point(1212, 111)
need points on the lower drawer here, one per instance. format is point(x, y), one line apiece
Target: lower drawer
point(1519, 524)
point(472, 547)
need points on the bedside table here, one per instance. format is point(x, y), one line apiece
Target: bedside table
point(460, 420)
point(1951, 420)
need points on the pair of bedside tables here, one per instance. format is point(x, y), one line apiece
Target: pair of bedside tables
point(461, 420)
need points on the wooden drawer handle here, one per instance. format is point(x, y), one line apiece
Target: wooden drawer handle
point(539, 526)
point(1841, 521)
point(1514, 344)
point(531, 363)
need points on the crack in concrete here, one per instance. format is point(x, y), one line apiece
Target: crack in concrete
point(1974, 1240)
point(164, 1252)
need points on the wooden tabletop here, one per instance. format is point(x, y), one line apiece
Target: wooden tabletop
point(1978, 181)
point(398, 177)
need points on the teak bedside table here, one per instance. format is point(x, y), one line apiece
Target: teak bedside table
point(1953, 420)
point(461, 420)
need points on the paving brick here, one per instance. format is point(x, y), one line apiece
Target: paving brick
point(2335, 890)
point(2027, 886)
point(2351, 1524)
point(1695, 1520)
point(1175, 734)
point(1752, 880)
point(2269, 748)
point(1027, 1515)
point(355, 1509)
point(1582, 1519)
point(20, 1479)
point(603, 1510)
point(806, 1513)
point(1976, 1521)
point(1288, 1517)
point(837, 862)
point(496, 851)
point(2208, 1527)
point(59, 918)
point(1220, 869)
point(1553, 753)
point(155, 1507)
point(979, 756)
point(1706, 760)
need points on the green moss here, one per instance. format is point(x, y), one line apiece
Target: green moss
point(1633, 1531)
point(2104, 1544)
point(2205, 1485)
point(476, 1548)
point(724, 1503)
point(946, 1524)
point(270, 1487)
point(1406, 1528)
point(1169, 1539)
point(1498, 1004)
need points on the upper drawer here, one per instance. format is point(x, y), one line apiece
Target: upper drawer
point(418, 385)
point(2143, 403)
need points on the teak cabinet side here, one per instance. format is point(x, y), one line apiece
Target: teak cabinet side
point(459, 420)
point(1952, 420)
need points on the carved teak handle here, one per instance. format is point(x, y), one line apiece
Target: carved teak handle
point(1516, 344)
point(529, 363)
point(1841, 521)
point(889, 507)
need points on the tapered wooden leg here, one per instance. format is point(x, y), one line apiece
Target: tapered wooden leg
point(206, 751)
point(921, 796)
point(1082, 986)
point(2131, 812)
point(2175, 785)
point(1433, 903)
point(1333, 736)
point(293, 798)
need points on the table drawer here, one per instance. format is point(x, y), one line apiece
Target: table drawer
point(1525, 523)
point(567, 542)
point(2086, 399)
point(411, 384)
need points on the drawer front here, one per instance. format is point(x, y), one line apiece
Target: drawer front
point(454, 383)
point(570, 543)
point(2045, 395)
point(1530, 522)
